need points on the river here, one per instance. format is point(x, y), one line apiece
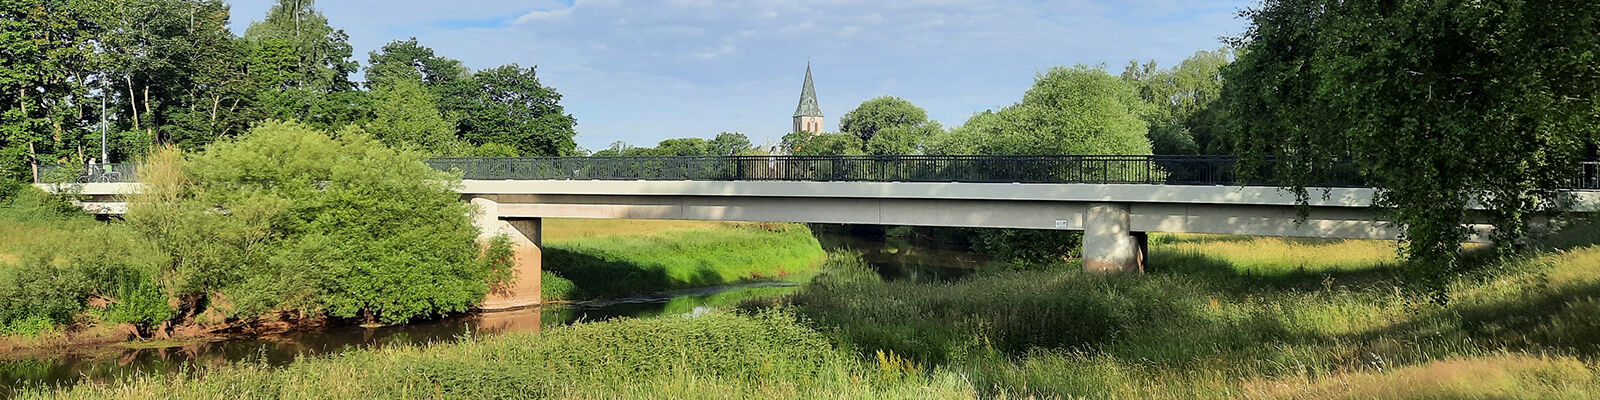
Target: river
point(894, 260)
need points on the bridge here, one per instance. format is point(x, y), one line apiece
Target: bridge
point(1115, 200)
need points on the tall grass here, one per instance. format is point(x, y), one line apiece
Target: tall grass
point(1224, 317)
point(621, 265)
point(718, 355)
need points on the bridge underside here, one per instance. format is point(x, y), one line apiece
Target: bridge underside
point(1323, 222)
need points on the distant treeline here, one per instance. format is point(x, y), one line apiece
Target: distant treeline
point(172, 72)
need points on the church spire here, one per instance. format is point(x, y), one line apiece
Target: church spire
point(807, 115)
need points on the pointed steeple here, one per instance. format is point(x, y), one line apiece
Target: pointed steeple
point(808, 99)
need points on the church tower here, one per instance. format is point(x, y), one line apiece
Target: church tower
point(808, 116)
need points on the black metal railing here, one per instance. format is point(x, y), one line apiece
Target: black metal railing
point(87, 173)
point(1158, 170)
point(1588, 176)
point(1122, 169)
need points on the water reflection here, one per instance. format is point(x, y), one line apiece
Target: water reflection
point(895, 260)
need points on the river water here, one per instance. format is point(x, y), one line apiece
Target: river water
point(893, 259)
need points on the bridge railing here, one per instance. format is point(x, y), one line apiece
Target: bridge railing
point(1166, 170)
point(1588, 176)
point(87, 173)
point(1120, 169)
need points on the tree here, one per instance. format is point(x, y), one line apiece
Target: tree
point(303, 67)
point(1182, 119)
point(507, 105)
point(889, 125)
point(405, 116)
point(44, 49)
point(173, 71)
point(1442, 105)
point(1077, 110)
point(409, 58)
point(684, 147)
point(903, 139)
point(880, 113)
point(289, 218)
point(731, 144)
point(321, 62)
point(821, 144)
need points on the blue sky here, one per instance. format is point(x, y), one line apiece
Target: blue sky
point(641, 71)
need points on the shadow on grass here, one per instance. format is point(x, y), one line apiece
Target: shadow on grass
point(1223, 275)
point(601, 277)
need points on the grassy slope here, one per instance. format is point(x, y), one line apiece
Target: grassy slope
point(1208, 324)
point(1212, 322)
point(609, 259)
point(717, 355)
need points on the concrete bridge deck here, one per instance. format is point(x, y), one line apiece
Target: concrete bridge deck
point(1114, 200)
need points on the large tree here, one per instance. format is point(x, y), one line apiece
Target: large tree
point(44, 51)
point(304, 66)
point(1443, 105)
point(889, 125)
point(507, 105)
point(407, 57)
point(404, 115)
point(173, 70)
point(1078, 110)
point(1182, 119)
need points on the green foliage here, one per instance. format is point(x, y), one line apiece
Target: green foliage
point(719, 355)
point(323, 64)
point(405, 115)
point(1182, 118)
point(52, 262)
point(607, 266)
point(821, 144)
point(731, 144)
point(1444, 105)
point(553, 287)
point(725, 144)
point(500, 260)
point(171, 70)
point(409, 60)
point(506, 104)
point(45, 43)
point(880, 113)
point(338, 225)
point(1027, 248)
point(1078, 110)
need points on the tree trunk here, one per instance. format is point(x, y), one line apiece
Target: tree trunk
point(149, 129)
point(133, 102)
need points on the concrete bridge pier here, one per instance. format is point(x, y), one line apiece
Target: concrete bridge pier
point(1109, 245)
point(525, 235)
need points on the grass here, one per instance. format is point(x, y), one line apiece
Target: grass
point(1226, 317)
point(565, 229)
point(1215, 319)
point(660, 256)
point(718, 355)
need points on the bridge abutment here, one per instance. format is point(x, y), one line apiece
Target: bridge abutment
point(1109, 243)
point(526, 241)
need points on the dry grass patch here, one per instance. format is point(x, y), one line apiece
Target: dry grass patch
point(1276, 255)
point(1510, 376)
point(562, 229)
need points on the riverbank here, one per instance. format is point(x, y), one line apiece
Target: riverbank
point(1287, 319)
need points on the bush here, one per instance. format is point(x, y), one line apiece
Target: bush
point(553, 287)
point(52, 262)
point(290, 218)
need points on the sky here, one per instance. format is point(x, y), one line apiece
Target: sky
point(641, 71)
